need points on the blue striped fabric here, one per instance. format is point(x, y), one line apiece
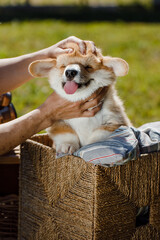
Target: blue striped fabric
point(123, 145)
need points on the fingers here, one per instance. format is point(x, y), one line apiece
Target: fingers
point(97, 93)
point(93, 47)
point(67, 50)
point(58, 51)
point(94, 102)
point(64, 109)
point(101, 94)
point(95, 98)
point(60, 47)
point(90, 105)
point(82, 44)
point(92, 112)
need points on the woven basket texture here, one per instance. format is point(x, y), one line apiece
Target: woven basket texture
point(70, 199)
point(8, 217)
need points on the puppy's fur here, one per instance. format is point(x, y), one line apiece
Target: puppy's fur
point(75, 77)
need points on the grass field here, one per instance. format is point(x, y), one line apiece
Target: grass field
point(138, 44)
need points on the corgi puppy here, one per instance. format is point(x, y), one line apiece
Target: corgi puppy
point(75, 77)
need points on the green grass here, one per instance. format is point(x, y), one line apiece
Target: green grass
point(138, 44)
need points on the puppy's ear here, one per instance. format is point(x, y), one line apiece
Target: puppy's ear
point(41, 68)
point(119, 66)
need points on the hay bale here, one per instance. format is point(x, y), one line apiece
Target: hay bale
point(68, 198)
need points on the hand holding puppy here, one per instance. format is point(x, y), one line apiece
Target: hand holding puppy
point(14, 73)
point(57, 108)
point(60, 47)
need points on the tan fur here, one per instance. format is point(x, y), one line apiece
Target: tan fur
point(110, 128)
point(88, 50)
point(60, 127)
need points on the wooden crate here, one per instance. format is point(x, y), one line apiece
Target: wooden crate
point(68, 198)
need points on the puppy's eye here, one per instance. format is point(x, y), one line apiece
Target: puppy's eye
point(88, 68)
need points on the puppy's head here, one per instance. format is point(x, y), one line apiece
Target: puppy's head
point(76, 76)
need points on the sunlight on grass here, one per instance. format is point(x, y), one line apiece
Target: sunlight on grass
point(138, 44)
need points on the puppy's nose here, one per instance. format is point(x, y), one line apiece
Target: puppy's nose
point(71, 73)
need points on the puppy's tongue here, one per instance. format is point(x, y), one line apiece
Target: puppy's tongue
point(70, 87)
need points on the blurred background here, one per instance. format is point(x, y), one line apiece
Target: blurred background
point(129, 29)
point(66, 2)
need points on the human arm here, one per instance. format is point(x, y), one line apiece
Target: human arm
point(14, 71)
point(54, 108)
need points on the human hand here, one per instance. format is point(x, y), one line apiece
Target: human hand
point(57, 108)
point(59, 48)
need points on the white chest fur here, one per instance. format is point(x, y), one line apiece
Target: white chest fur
point(85, 127)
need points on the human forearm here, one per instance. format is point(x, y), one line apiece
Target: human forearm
point(14, 71)
point(53, 109)
point(17, 131)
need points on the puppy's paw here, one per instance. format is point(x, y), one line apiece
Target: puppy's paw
point(68, 148)
point(66, 143)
